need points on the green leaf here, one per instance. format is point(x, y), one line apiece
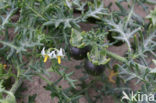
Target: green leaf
point(124, 34)
point(152, 16)
point(95, 10)
point(69, 4)
point(76, 38)
point(97, 56)
point(9, 99)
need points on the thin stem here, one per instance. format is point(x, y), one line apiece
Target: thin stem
point(130, 14)
point(8, 17)
point(38, 14)
point(122, 59)
point(45, 79)
point(115, 56)
point(83, 90)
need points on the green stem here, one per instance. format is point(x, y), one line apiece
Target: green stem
point(115, 56)
point(15, 86)
point(130, 14)
point(83, 90)
point(38, 14)
point(8, 17)
point(45, 79)
point(122, 59)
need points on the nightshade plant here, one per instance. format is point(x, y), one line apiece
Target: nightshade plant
point(29, 27)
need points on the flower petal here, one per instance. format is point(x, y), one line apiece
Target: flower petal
point(60, 52)
point(54, 55)
point(43, 51)
point(51, 54)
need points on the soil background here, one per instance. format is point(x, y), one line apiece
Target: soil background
point(36, 86)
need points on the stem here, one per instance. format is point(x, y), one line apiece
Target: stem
point(38, 14)
point(45, 79)
point(115, 56)
point(130, 14)
point(8, 17)
point(122, 59)
point(17, 84)
point(83, 90)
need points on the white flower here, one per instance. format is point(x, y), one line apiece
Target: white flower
point(43, 51)
point(60, 53)
point(47, 54)
point(53, 54)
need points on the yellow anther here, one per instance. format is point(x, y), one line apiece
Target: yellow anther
point(45, 58)
point(59, 59)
